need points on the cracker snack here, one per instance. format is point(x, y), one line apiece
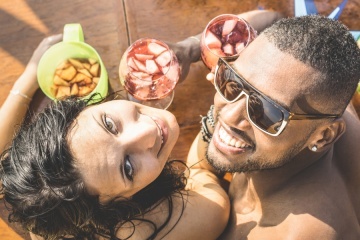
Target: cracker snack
point(75, 77)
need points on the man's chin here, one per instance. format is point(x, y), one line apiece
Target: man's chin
point(223, 163)
point(220, 162)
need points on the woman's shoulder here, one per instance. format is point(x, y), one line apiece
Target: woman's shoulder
point(192, 212)
point(207, 201)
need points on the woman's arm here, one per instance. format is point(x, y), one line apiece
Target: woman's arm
point(13, 110)
point(35, 237)
point(201, 212)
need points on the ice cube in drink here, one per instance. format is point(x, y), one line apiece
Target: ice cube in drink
point(225, 36)
point(149, 69)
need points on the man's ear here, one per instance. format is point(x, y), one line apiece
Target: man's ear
point(328, 134)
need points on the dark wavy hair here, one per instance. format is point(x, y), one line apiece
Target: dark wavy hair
point(327, 46)
point(46, 195)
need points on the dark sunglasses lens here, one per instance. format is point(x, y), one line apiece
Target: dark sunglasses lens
point(264, 114)
point(227, 82)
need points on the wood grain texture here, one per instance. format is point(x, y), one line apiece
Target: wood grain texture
point(25, 23)
point(110, 26)
point(7, 233)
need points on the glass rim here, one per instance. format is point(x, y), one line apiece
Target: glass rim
point(234, 16)
point(155, 40)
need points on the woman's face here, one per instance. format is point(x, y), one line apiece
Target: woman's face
point(120, 146)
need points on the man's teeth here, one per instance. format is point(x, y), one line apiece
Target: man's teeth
point(229, 140)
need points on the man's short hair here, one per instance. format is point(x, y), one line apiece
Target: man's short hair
point(327, 46)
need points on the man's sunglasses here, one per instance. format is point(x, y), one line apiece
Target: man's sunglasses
point(263, 113)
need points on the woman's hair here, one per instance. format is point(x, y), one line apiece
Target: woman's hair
point(46, 195)
point(328, 47)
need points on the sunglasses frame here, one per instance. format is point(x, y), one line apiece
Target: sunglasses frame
point(288, 115)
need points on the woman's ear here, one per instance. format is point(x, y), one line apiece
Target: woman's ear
point(328, 135)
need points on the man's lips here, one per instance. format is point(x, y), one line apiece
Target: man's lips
point(231, 140)
point(227, 142)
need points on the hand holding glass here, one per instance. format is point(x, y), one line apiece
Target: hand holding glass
point(225, 36)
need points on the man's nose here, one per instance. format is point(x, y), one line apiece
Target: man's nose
point(234, 114)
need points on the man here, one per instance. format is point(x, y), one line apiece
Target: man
point(287, 139)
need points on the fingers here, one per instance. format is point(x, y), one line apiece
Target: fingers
point(210, 77)
point(54, 39)
point(44, 45)
point(49, 41)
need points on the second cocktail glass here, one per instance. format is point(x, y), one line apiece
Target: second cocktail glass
point(225, 36)
point(149, 71)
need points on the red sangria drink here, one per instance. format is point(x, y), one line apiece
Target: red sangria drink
point(149, 71)
point(225, 36)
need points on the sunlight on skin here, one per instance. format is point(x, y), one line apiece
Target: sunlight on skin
point(27, 15)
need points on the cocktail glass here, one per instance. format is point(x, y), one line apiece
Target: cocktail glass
point(225, 36)
point(149, 71)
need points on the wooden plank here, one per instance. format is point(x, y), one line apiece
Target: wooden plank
point(102, 23)
point(8, 233)
point(171, 20)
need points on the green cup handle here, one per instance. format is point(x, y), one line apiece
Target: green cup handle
point(73, 33)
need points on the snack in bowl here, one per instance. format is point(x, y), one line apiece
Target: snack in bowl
point(72, 67)
point(75, 77)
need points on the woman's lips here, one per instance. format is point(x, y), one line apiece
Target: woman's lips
point(164, 132)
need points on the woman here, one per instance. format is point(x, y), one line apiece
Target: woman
point(101, 171)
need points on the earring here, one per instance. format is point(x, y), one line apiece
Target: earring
point(314, 148)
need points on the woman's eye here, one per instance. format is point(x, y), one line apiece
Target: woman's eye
point(128, 168)
point(110, 125)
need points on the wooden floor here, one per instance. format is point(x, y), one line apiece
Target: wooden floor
point(109, 26)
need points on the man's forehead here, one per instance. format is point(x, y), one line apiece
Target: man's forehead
point(260, 48)
point(276, 74)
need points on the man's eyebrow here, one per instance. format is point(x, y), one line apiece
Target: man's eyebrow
point(274, 100)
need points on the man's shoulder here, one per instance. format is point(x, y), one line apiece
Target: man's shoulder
point(308, 226)
point(309, 209)
point(295, 226)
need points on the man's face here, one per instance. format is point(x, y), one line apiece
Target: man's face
point(237, 145)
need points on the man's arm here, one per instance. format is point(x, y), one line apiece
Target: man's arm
point(260, 19)
point(347, 149)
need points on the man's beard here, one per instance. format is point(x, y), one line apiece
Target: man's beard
point(254, 163)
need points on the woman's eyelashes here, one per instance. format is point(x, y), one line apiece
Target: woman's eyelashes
point(128, 168)
point(110, 124)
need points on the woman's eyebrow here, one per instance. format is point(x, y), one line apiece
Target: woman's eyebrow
point(99, 123)
point(122, 161)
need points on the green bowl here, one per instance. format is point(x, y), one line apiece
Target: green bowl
point(72, 46)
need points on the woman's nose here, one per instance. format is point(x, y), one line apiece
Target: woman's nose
point(143, 133)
